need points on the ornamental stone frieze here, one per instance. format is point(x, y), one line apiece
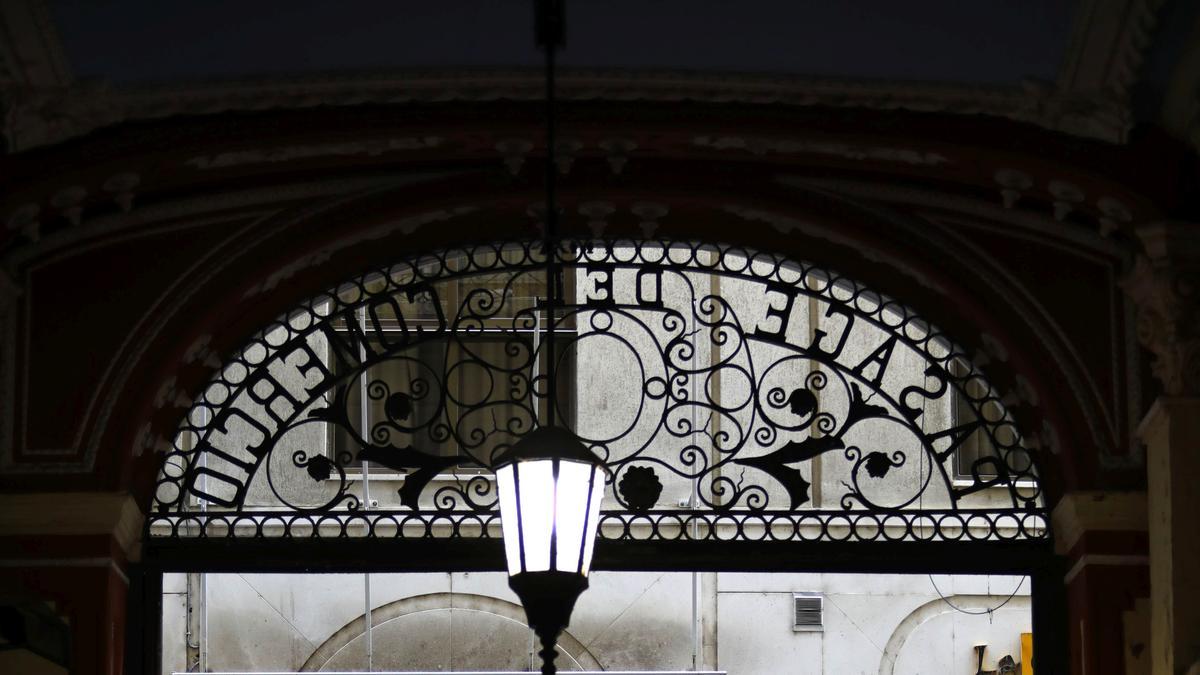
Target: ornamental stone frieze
point(1164, 285)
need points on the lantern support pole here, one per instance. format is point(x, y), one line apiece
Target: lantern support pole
point(548, 596)
point(549, 32)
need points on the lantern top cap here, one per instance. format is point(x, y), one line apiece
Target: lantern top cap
point(549, 443)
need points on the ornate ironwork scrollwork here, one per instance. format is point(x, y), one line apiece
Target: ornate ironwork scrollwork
point(762, 391)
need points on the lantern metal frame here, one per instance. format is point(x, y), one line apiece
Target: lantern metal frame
point(549, 595)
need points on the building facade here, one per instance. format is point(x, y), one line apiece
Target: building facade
point(633, 621)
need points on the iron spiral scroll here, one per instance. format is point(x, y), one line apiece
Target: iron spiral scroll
point(733, 395)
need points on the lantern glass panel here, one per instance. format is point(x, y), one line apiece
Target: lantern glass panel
point(593, 520)
point(570, 513)
point(535, 492)
point(508, 510)
point(541, 511)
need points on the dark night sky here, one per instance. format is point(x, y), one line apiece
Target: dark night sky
point(984, 41)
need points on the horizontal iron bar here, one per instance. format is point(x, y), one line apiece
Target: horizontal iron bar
point(487, 555)
point(906, 514)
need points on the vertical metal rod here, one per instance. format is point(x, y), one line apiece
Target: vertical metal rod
point(364, 417)
point(714, 428)
point(365, 473)
point(203, 622)
point(537, 347)
point(695, 621)
point(550, 36)
point(367, 619)
point(694, 497)
point(191, 620)
point(202, 661)
point(815, 472)
point(549, 20)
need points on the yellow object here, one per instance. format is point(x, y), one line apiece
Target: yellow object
point(1026, 653)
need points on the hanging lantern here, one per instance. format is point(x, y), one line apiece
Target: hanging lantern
point(550, 488)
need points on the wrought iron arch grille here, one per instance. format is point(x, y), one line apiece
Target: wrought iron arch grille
point(733, 394)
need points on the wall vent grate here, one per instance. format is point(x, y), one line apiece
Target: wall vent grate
point(806, 615)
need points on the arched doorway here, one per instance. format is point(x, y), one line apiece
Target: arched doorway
point(757, 413)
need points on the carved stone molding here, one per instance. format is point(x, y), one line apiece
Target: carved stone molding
point(760, 145)
point(1165, 286)
point(74, 514)
point(45, 116)
point(30, 52)
point(369, 148)
point(1181, 100)
point(1108, 44)
point(1078, 513)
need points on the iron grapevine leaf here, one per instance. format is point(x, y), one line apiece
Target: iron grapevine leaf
point(419, 467)
point(640, 487)
point(774, 464)
point(319, 468)
point(802, 402)
point(878, 464)
point(398, 407)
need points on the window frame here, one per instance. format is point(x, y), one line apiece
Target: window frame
point(453, 299)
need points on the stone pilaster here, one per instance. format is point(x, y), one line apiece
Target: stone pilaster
point(1171, 432)
point(1165, 286)
point(1103, 537)
point(73, 550)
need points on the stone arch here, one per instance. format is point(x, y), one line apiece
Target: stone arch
point(933, 609)
point(568, 644)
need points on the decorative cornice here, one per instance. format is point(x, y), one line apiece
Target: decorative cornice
point(1108, 44)
point(30, 52)
point(46, 116)
point(763, 145)
point(181, 213)
point(369, 148)
point(1165, 287)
